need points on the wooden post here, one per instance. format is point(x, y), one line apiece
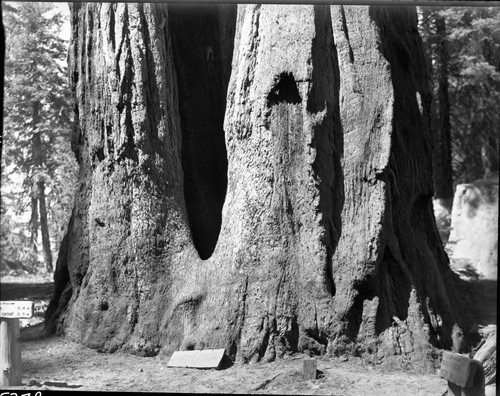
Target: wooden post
point(309, 368)
point(10, 351)
point(465, 376)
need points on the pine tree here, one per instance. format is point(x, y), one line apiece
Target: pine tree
point(463, 45)
point(475, 90)
point(37, 119)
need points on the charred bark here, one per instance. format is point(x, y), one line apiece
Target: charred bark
point(327, 238)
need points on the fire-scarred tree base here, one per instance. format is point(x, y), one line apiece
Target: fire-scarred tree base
point(327, 237)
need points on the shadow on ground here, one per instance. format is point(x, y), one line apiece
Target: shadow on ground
point(26, 291)
point(477, 301)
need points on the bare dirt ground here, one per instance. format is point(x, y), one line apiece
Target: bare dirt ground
point(55, 363)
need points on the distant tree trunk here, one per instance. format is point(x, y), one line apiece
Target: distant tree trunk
point(44, 227)
point(327, 239)
point(38, 204)
point(35, 150)
point(443, 172)
point(489, 156)
point(34, 220)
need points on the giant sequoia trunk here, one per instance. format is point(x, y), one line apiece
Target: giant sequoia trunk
point(318, 231)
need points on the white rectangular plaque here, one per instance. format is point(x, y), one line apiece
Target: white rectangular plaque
point(207, 358)
point(16, 309)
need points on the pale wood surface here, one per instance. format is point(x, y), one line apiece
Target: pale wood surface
point(208, 358)
point(309, 368)
point(455, 368)
point(487, 354)
point(10, 352)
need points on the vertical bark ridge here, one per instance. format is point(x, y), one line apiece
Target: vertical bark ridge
point(384, 306)
point(415, 235)
point(329, 136)
point(366, 100)
point(132, 191)
point(281, 182)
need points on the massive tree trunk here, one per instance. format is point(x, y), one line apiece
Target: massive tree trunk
point(392, 267)
point(326, 236)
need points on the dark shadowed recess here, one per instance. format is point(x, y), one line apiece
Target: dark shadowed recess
point(284, 90)
point(328, 135)
point(202, 41)
point(62, 287)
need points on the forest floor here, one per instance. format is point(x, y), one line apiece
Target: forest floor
point(55, 363)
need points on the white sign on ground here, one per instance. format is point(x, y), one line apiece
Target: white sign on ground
point(208, 358)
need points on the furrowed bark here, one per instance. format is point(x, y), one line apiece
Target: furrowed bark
point(394, 282)
point(284, 185)
point(321, 236)
point(127, 140)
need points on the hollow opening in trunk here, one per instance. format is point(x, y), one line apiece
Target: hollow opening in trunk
point(284, 90)
point(200, 57)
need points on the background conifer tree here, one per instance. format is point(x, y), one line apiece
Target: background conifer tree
point(38, 168)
